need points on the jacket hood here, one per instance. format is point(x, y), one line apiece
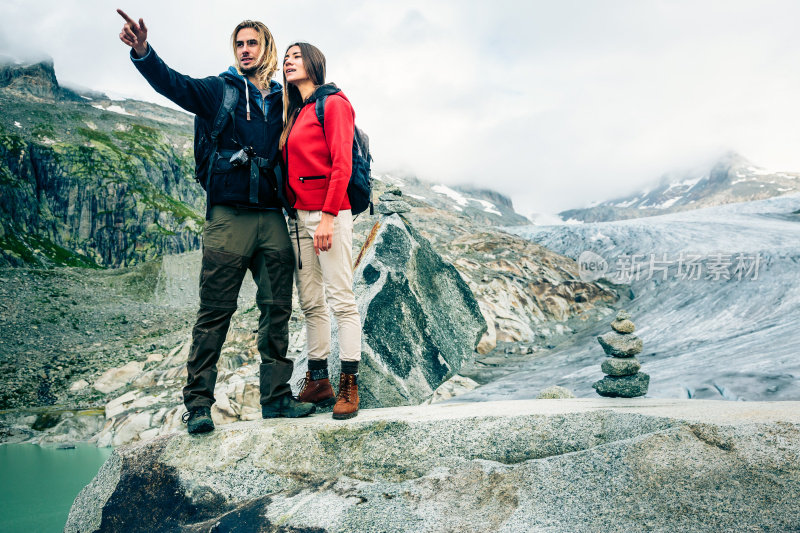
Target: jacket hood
point(232, 73)
point(324, 90)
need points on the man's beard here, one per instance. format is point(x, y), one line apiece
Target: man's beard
point(248, 71)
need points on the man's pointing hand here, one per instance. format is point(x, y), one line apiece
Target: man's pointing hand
point(133, 34)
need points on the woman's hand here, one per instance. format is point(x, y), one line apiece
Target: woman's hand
point(134, 35)
point(323, 237)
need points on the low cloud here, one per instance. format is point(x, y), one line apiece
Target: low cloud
point(555, 105)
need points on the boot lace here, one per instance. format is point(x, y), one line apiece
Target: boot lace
point(346, 387)
point(188, 415)
point(303, 382)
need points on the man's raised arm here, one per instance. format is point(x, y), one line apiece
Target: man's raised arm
point(201, 97)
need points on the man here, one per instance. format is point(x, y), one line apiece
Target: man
point(245, 227)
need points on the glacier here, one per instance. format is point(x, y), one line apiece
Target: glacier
point(723, 336)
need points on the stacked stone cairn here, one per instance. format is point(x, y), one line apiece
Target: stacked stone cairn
point(623, 379)
point(391, 202)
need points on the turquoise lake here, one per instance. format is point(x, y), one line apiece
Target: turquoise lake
point(38, 484)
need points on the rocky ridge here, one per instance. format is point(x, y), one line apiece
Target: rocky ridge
point(583, 465)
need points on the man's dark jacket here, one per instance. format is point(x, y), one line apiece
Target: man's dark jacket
point(230, 185)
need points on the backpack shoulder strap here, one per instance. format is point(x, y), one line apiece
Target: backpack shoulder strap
point(230, 94)
point(319, 108)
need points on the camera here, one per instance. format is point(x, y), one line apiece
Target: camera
point(242, 157)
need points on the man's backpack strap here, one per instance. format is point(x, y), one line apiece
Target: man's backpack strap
point(230, 95)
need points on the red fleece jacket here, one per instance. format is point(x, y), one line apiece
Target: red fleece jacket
point(319, 164)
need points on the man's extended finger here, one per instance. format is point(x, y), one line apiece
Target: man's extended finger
point(141, 24)
point(126, 17)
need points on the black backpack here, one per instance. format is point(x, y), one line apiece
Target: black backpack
point(206, 135)
point(359, 190)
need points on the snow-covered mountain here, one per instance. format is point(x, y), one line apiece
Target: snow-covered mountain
point(481, 205)
point(731, 179)
point(715, 300)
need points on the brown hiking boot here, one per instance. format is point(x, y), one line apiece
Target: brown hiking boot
point(347, 402)
point(316, 391)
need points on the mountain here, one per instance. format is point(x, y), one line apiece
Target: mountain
point(108, 183)
point(731, 179)
point(87, 181)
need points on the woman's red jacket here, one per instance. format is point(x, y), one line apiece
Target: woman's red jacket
point(319, 163)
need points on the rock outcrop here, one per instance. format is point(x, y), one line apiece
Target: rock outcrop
point(588, 465)
point(419, 318)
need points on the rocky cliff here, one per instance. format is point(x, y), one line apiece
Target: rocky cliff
point(544, 465)
point(85, 181)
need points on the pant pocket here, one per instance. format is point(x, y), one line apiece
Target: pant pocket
point(221, 278)
point(273, 271)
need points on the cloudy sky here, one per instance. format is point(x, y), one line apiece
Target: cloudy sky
point(556, 104)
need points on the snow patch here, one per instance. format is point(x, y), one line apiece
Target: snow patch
point(685, 183)
point(113, 109)
point(758, 171)
point(416, 196)
point(447, 191)
point(668, 203)
point(488, 207)
point(628, 203)
point(17, 124)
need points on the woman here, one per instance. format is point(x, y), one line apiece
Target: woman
point(318, 162)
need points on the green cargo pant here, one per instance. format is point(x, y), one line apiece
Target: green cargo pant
point(235, 240)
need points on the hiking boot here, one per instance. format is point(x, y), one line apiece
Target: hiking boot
point(288, 406)
point(347, 401)
point(316, 391)
point(198, 420)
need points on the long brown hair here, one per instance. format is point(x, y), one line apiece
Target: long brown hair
point(314, 63)
point(267, 62)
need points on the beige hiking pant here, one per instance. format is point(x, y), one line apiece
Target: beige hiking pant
point(325, 279)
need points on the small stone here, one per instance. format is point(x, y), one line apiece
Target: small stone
point(390, 195)
point(620, 345)
point(623, 326)
point(387, 208)
point(614, 366)
point(79, 385)
point(623, 315)
point(555, 393)
point(394, 190)
point(623, 387)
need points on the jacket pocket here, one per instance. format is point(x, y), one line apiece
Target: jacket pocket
point(313, 182)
